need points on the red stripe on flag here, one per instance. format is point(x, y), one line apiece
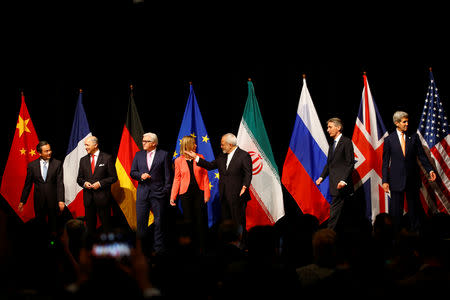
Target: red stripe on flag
point(127, 150)
point(440, 160)
point(445, 145)
point(366, 104)
point(76, 207)
point(303, 189)
point(256, 213)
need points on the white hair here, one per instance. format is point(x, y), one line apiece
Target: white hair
point(153, 137)
point(399, 115)
point(230, 139)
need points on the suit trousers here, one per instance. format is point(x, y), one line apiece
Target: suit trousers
point(158, 208)
point(336, 208)
point(415, 213)
point(104, 214)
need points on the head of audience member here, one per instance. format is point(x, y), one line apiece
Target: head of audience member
point(324, 247)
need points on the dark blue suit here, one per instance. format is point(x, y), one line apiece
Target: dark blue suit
point(152, 194)
point(401, 172)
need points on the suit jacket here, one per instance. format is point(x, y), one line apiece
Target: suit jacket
point(339, 166)
point(231, 180)
point(158, 186)
point(52, 189)
point(401, 170)
point(104, 172)
point(183, 177)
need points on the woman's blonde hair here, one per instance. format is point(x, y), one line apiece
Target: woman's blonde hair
point(187, 144)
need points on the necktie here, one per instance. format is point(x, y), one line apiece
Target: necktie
point(149, 160)
point(403, 143)
point(92, 163)
point(44, 170)
point(334, 145)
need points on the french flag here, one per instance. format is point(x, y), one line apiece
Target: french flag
point(75, 151)
point(305, 160)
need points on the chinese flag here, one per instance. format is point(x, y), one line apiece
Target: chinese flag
point(23, 151)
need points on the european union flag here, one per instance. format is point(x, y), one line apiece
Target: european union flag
point(193, 125)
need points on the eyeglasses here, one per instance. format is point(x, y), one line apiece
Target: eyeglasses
point(144, 141)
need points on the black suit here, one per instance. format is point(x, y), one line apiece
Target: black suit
point(47, 193)
point(401, 172)
point(231, 180)
point(339, 167)
point(97, 201)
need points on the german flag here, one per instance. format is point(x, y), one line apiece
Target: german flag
point(124, 190)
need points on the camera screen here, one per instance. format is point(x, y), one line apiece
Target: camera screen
point(114, 249)
point(112, 245)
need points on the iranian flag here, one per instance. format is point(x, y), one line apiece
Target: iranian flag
point(266, 205)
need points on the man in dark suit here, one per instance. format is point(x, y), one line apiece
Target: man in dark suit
point(235, 176)
point(96, 174)
point(339, 167)
point(151, 167)
point(46, 173)
point(401, 175)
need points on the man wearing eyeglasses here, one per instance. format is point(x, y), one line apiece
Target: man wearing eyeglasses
point(151, 168)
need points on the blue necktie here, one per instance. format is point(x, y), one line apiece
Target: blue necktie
point(44, 170)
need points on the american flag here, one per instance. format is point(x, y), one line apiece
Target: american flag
point(433, 131)
point(368, 140)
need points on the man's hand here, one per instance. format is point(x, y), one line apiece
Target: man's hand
point(386, 187)
point(96, 185)
point(319, 180)
point(191, 154)
point(341, 185)
point(145, 176)
point(61, 206)
point(172, 202)
point(432, 176)
point(20, 207)
point(88, 185)
point(242, 190)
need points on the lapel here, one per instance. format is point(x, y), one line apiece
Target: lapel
point(99, 161)
point(49, 168)
point(331, 153)
point(234, 158)
point(155, 159)
point(399, 145)
point(38, 169)
point(407, 143)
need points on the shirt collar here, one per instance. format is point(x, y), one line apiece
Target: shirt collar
point(232, 152)
point(338, 138)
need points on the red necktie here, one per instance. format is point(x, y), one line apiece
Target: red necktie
point(93, 163)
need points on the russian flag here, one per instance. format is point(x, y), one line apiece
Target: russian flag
point(75, 151)
point(305, 160)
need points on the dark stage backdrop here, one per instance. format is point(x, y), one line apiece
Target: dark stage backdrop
point(50, 59)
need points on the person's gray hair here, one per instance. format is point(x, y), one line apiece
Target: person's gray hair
point(93, 139)
point(153, 137)
point(337, 122)
point(399, 115)
point(230, 139)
